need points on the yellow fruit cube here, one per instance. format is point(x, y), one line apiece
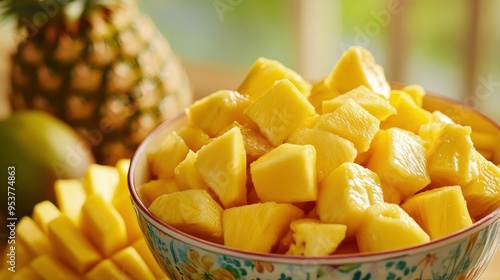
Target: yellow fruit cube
point(281, 111)
point(122, 166)
point(194, 212)
point(315, 239)
point(218, 110)
point(430, 131)
point(483, 192)
point(450, 159)
point(286, 174)
point(142, 248)
point(126, 211)
point(25, 273)
point(102, 180)
point(186, 175)
point(48, 267)
point(194, 137)
point(71, 245)
point(387, 226)
point(106, 269)
point(171, 152)
point(319, 93)
point(44, 212)
point(222, 165)
point(331, 149)
point(24, 255)
point(131, 264)
point(258, 227)
point(35, 239)
point(409, 115)
point(103, 225)
point(264, 73)
point(70, 197)
point(375, 104)
point(416, 92)
point(440, 211)
point(151, 190)
point(346, 193)
point(357, 67)
point(350, 121)
point(399, 159)
point(255, 143)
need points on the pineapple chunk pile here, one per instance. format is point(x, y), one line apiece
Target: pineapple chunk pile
point(347, 165)
point(91, 234)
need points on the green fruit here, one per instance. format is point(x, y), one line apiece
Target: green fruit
point(39, 149)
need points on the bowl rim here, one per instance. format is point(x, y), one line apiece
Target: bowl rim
point(435, 244)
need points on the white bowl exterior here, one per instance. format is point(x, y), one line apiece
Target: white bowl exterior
point(463, 255)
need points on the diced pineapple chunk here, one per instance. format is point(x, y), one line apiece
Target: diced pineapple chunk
point(357, 67)
point(346, 193)
point(314, 239)
point(375, 104)
point(387, 226)
point(244, 226)
point(320, 93)
point(409, 115)
point(331, 149)
point(399, 159)
point(222, 165)
point(70, 197)
point(255, 143)
point(193, 211)
point(33, 236)
point(71, 245)
point(171, 152)
point(218, 110)
point(431, 130)
point(440, 211)
point(416, 92)
point(352, 122)
point(44, 212)
point(106, 269)
point(151, 190)
point(483, 193)
point(264, 73)
point(281, 111)
point(103, 225)
point(450, 159)
point(102, 180)
point(49, 267)
point(194, 137)
point(132, 265)
point(286, 174)
point(186, 175)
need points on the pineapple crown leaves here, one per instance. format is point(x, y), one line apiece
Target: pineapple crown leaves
point(39, 12)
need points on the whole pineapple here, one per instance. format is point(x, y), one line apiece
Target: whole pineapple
point(100, 65)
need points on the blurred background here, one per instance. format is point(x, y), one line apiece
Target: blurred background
point(449, 47)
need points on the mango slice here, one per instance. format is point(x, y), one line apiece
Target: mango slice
point(106, 269)
point(244, 226)
point(222, 165)
point(131, 264)
point(281, 111)
point(72, 246)
point(286, 174)
point(102, 180)
point(193, 211)
point(25, 273)
point(43, 213)
point(126, 211)
point(70, 196)
point(49, 267)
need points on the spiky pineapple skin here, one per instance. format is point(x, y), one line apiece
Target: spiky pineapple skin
point(110, 74)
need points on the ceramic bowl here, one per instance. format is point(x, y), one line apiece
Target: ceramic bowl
point(462, 255)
